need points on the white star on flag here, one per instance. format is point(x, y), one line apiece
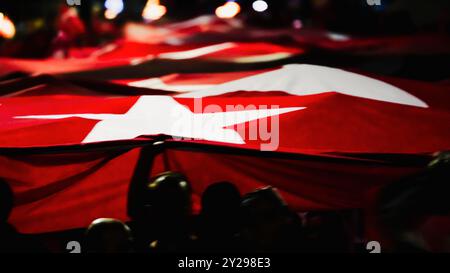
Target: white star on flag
point(154, 115)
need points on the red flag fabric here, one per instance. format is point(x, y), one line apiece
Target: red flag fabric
point(178, 33)
point(126, 53)
point(70, 155)
point(188, 81)
point(68, 188)
point(380, 118)
point(210, 29)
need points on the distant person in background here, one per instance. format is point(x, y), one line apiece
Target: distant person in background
point(70, 29)
point(220, 218)
point(107, 235)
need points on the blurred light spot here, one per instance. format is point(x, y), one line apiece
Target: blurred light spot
point(110, 14)
point(7, 28)
point(114, 5)
point(113, 8)
point(297, 24)
point(196, 53)
point(338, 37)
point(263, 58)
point(70, 12)
point(260, 6)
point(153, 10)
point(228, 10)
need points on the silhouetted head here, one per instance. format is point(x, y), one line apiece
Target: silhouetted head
point(266, 201)
point(402, 203)
point(221, 198)
point(107, 235)
point(405, 207)
point(268, 222)
point(220, 215)
point(170, 196)
point(6, 200)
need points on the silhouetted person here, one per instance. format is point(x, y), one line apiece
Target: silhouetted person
point(107, 235)
point(219, 218)
point(268, 224)
point(12, 241)
point(139, 208)
point(326, 232)
point(70, 29)
point(6, 201)
point(169, 205)
point(414, 213)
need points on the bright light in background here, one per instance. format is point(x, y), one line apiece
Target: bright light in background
point(7, 28)
point(109, 14)
point(260, 6)
point(113, 8)
point(338, 37)
point(297, 24)
point(228, 10)
point(114, 5)
point(153, 10)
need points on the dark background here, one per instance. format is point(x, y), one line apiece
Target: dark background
point(393, 16)
point(36, 21)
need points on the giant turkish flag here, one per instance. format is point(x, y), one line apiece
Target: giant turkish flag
point(325, 137)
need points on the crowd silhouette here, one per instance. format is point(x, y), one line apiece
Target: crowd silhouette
point(256, 222)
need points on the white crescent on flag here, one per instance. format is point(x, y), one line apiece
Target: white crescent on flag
point(302, 80)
